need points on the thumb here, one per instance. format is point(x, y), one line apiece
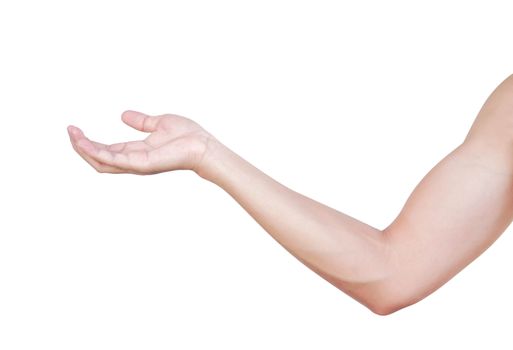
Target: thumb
point(140, 121)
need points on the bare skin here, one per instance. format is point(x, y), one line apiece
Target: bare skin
point(453, 215)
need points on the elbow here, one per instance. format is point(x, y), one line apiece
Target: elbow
point(385, 308)
point(386, 299)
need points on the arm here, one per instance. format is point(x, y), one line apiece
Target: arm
point(461, 206)
point(458, 210)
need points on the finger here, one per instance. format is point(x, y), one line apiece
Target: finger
point(123, 155)
point(129, 157)
point(116, 147)
point(133, 161)
point(124, 146)
point(140, 121)
point(75, 134)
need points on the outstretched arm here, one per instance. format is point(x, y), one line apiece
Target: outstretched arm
point(458, 210)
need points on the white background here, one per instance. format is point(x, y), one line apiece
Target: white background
point(350, 103)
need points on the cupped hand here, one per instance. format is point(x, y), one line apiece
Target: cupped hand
point(174, 143)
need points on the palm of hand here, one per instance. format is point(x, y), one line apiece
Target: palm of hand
point(175, 142)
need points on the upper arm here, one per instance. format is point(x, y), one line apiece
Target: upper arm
point(455, 213)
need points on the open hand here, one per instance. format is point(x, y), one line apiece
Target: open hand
point(174, 143)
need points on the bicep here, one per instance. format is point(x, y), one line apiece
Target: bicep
point(454, 214)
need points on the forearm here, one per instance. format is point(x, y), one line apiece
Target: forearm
point(348, 253)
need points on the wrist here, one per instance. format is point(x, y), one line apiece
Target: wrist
point(208, 165)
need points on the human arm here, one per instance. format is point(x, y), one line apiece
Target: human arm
point(457, 211)
point(462, 205)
